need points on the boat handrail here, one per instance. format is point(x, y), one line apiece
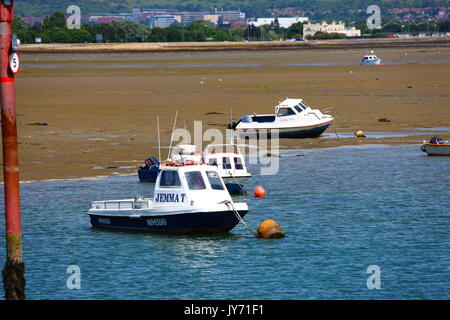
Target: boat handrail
point(125, 204)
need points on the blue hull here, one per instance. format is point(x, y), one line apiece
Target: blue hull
point(311, 133)
point(234, 188)
point(201, 222)
point(148, 175)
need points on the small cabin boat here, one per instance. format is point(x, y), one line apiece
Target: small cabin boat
point(187, 199)
point(230, 165)
point(436, 147)
point(293, 118)
point(149, 171)
point(370, 59)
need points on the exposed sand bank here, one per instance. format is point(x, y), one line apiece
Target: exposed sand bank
point(100, 108)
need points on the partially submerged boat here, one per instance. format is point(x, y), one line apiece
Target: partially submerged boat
point(188, 198)
point(370, 59)
point(436, 147)
point(293, 118)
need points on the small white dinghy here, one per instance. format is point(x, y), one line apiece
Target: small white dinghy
point(188, 198)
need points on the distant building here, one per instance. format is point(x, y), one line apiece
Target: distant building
point(284, 22)
point(162, 21)
point(106, 18)
point(310, 29)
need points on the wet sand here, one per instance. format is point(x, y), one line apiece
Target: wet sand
point(100, 109)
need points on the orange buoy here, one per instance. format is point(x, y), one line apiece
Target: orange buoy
point(360, 134)
point(270, 229)
point(259, 192)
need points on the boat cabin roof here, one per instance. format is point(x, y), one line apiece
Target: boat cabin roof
point(370, 57)
point(290, 107)
point(189, 178)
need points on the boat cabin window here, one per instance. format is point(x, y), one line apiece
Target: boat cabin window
point(169, 179)
point(214, 180)
point(226, 163)
point(213, 162)
point(298, 109)
point(283, 112)
point(238, 163)
point(304, 105)
point(195, 180)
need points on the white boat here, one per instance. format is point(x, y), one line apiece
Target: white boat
point(230, 165)
point(370, 59)
point(436, 147)
point(187, 199)
point(293, 118)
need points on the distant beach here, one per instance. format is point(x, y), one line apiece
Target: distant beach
point(245, 45)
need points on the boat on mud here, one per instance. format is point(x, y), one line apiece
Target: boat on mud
point(293, 118)
point(370, 60)
point(188, 198)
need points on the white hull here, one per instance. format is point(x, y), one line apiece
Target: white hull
point(436, 149)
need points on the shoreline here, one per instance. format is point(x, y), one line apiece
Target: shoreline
point(235, 46)
point(278, 154)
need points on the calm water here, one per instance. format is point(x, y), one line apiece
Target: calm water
point(343, 209)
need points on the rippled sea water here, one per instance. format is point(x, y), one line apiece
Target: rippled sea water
point(343, 209)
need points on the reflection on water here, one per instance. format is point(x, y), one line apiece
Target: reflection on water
point(342, 209)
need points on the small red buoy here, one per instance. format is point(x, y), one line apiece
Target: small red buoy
point(259, 192)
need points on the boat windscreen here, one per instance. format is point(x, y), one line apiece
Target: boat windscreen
point(169, 179)
point(283, 112)
point(195, 180)
point(214, 180)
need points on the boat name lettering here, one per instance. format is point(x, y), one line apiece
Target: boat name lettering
point(104, 221)
point(170, 197)
point(156, 222)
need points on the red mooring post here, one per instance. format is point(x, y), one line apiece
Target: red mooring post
point(14, 270)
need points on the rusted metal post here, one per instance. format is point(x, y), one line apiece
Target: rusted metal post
point(14, 270)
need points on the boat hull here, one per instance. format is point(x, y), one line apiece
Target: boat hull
point(148, 175)
point(436, 149)
point(297, 133)
point(371, 63)
point(198, 222)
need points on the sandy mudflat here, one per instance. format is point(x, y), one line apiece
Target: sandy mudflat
point(100, 107)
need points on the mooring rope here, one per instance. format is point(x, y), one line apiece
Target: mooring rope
point(238, 216)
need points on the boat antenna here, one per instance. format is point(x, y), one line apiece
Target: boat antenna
point(171, 135)
point(159, 140)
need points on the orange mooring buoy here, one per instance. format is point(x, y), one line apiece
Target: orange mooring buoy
point(360, 134)
point(259, 192)
point(270, 229)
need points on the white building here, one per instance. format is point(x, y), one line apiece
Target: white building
point(284, 22)
point(311, 28)
point(162, 21)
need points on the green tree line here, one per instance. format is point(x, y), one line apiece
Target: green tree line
point(54, 30)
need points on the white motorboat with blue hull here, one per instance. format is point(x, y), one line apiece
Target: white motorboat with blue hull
point(187, 199)
point(293, 118)
point(230, 163)
point(370, 60)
